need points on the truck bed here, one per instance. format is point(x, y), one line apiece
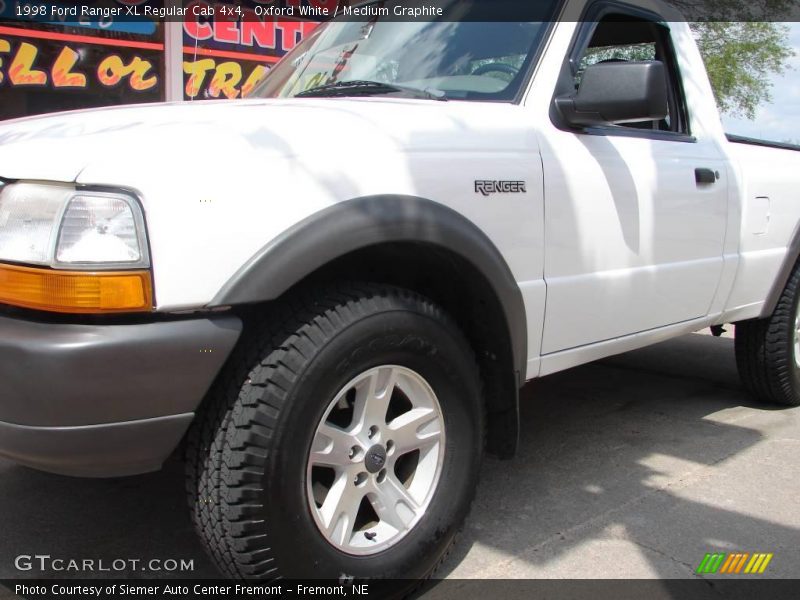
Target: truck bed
point(740, 139)
point(770, 212)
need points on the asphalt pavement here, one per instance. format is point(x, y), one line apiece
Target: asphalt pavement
point(632, 467)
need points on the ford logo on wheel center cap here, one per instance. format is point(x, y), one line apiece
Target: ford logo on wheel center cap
point(375, 458)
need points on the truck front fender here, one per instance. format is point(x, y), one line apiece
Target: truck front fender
point(373, 221)
point(362, 222)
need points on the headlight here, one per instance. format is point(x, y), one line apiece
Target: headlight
point(61, 227)
point(28, 215)
point(82, 251)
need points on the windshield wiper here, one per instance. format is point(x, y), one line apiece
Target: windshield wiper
point(368, 88)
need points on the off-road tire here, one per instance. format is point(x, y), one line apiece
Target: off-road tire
point(765, 350)
point(245, 484)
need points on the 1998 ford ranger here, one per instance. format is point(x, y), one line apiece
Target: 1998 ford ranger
point(409, 220)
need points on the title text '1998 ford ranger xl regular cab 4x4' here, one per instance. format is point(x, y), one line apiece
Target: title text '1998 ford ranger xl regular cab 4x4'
point(410, 220)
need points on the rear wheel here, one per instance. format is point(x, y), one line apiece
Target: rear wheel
point(768, 350)
point(343, 442)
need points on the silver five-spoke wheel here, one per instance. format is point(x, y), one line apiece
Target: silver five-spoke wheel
point(329, 459)
point(375, 460)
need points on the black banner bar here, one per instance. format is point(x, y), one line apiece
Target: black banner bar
point(391, 10)
point(714, 588)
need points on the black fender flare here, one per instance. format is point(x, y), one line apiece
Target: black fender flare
point(790, 261)
point(367, 221)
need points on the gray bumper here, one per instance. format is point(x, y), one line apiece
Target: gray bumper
point(104, 400)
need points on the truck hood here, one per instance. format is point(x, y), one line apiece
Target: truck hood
point(123, 141)
point(218, 180)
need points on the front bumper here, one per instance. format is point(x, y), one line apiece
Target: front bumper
point(105, 400)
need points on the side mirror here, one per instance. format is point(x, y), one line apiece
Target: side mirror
point(617, 92)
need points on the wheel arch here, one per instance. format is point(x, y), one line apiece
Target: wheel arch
point(790, 262)
point(419, 244)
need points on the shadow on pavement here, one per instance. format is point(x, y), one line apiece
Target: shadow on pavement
point(625, 451)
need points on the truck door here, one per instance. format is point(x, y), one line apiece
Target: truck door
point(635, 215)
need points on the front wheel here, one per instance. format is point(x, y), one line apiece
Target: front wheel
point(343, 442)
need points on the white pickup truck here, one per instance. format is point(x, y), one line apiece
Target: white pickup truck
point(334, 304)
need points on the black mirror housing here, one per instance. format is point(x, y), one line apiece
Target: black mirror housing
point(612, 93)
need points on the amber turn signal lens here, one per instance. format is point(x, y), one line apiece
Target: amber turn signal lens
point(75, 291)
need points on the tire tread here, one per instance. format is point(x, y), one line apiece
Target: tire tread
point(228, 446)
point(765, 354)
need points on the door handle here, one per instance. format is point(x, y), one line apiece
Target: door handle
point(705, 176)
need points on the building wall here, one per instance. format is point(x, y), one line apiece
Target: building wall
point(47, 68)
point(47, 65)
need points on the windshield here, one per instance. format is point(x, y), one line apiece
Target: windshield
point(458, 59)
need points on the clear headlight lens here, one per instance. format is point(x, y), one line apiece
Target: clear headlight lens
point(95, 227)
point(60, 226)
point(28, 213)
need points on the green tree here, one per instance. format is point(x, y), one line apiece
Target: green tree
point(740, 58)
point(743, 43)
